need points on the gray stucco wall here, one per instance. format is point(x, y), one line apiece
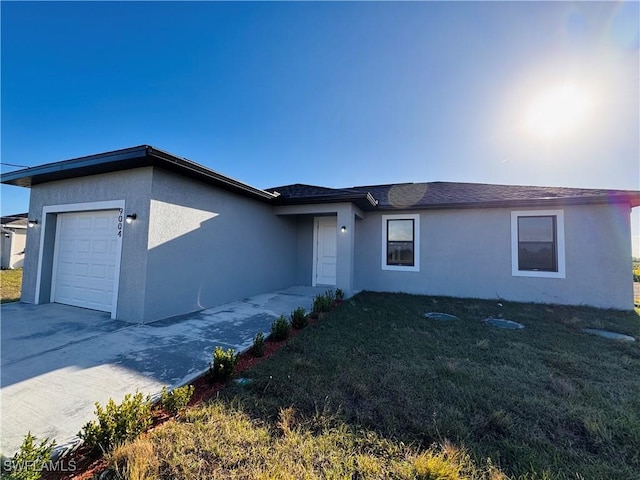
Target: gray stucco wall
point(132, 186)
point(304, 271)
point(467, 253)
point(208, 246)
point(194, 246)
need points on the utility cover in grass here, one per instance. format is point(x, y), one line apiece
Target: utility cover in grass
point(242, 381)
point(502, 323)
point(440, 316)
point(608, 334)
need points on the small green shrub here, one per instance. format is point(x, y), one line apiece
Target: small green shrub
point(636, 275)
point(323, 303)
point(118, 424)
point(318, 304)
point(29, 462)
point(177, 399)
point(299, 318)
point(280, 329)
point(330, 297)
point(257, 349)
point(339, 294)
point(223, 365)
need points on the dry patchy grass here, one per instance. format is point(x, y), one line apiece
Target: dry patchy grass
point(219, 441)
point(10, 285)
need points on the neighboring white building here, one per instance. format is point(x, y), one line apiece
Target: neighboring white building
point(13, 240)
point(145, 235)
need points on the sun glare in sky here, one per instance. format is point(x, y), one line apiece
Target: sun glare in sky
point(559, 111)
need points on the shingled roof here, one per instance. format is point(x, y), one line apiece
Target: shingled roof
point(18, 220)
point(300, 193)
point(453, 195)
point(385, 197)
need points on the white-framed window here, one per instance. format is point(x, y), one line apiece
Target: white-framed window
point(401, 242)
point(537, 243)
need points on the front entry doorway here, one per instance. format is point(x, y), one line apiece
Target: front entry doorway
point(325, 247)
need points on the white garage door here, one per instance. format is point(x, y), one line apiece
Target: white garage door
point(85, 259)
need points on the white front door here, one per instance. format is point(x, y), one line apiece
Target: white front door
point(325, 246)
point(84, 268)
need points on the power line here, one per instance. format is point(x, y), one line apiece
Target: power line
point(14, 165)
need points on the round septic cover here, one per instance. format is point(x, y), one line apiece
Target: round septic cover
point(242, 381)
point(440, 316)
point(609, 335)
point(502, 323)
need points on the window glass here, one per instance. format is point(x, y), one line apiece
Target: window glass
point(536, 229)
point(537, 243)
point(400, 244)
point(400, 230)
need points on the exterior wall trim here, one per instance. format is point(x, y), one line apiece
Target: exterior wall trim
point(559, 214)
point(80, 207)
point(316, 209)
point(416, 242)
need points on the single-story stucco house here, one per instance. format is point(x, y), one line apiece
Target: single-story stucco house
point(145, 235)
point(12, 242)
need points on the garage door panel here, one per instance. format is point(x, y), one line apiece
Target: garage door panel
point(65, 268)
point(80, 270)
point(98, 271)
point(83, 223)
point(80, 246)
point(86, 251)
point(85, 297)
point(96, 297)
point(102, 224)
point(67, 246)
point(100, 246)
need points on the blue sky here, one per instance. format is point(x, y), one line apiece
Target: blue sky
point(334, 94)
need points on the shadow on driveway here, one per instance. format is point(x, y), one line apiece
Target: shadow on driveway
point(57, 361)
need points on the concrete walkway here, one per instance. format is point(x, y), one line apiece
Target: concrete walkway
point(56, 361)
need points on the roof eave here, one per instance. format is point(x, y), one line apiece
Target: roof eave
point(77, 167)
point(364, 201)
point(195, 170)
point(119, 160)
point(632, 201)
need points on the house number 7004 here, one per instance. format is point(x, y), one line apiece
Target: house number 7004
point(120, 211)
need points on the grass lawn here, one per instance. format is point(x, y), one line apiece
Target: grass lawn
point(545, 402)
point(10, 285)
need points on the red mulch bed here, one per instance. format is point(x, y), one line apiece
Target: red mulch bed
point(88, 465)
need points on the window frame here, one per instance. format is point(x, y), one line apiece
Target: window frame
point(559, 244)
point(416, 243)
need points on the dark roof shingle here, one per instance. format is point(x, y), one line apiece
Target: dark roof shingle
point(459, 195)
point(386, 197)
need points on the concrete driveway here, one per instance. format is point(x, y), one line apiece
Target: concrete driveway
point(56, 361)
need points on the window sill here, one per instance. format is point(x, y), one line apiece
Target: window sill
point(401, 268)
point(537, 274)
